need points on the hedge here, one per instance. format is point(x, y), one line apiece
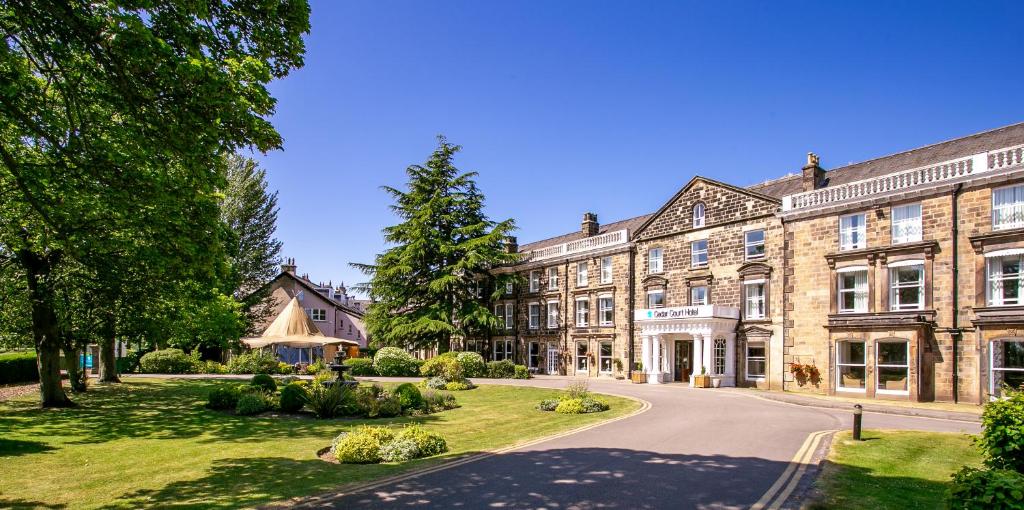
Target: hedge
point(18, 367)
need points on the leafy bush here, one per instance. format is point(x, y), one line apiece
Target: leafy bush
point(436, 366)
point(392, 361)
point(166, 361)
point(324, 376)
point(435, 401)
point(329, 401)
point(284, 368)
point(435, 383)
point(427, 443)
point(548, 404)
point(399, 450)
point(293, 397)
point(264, 382)
point(211, 367)
point(256, 362)
point(362, 445)
point(521, 372)
point(374, 402)
point(986, 489)
point(1002, 437)
point(360, 367)
point(459, 385)
point(473, 364)
point(18, 367)
point(223, 397)
point(316, 366)
point(591, 405)
point(503, 369)
point(570, 406)
point(251, 403)
point(409, 396)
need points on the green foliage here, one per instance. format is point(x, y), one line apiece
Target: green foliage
point(504, 369)
point(264, 382)
point(570, 406)
point(1002, 437)
point(329, 401)
point(437, 401)
point(224, 397)
point(409, 396)
point(521, 372)
point(166, 361)
point(473, 364)
point(362, 445)
point(591, 405)
point(459, 385)
point(284, 368)
point(399, 450)
point(435, 383)
point(293, 397)
point(425, 286)
point(255, 362)
point(577, 389)
point(360, 367)
point(394, 362)
point(18, 367)
point(316, 366)
point(427, 443)
point(374, 402)
point(445, 366)
point(251, 403)
point(548, 404)
point(986, 489)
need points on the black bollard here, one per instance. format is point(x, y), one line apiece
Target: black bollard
point(857, 414)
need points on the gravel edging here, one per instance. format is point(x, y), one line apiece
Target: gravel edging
point(17, 390)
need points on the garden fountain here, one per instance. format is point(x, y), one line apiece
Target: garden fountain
point(340, 368)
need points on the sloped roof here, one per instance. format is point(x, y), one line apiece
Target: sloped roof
point(779, 188)
point(630, 224)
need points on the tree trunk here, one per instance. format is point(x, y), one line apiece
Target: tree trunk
point(44, 328)
point(108, 362)
point(76, 375)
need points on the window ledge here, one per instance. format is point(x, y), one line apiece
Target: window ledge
point(882, 319)
point(927, 247)
point(998, 315)
point(996, 239)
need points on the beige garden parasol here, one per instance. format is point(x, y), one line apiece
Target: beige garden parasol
point(293, 328)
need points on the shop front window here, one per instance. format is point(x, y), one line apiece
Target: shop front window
point(851, 365)
point(892, 367)
point(1007, 366)
point(582, 360)
point(606, 357)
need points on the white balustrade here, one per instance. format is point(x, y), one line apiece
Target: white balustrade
point(579, 245)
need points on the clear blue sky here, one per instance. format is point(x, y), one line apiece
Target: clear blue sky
point(610, 107)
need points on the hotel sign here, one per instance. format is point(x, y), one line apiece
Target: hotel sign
point(686, 312)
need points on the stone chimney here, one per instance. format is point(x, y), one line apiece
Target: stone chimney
point(288, 266)
point(590, 225)
point(813, 174)
point(511, 244)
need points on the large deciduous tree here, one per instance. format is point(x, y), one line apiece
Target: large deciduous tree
point(114, 119)
point(427, 288)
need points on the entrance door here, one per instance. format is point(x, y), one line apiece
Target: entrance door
point(683, 360)
point(552, 368)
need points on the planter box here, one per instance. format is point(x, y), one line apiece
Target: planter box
point(639, 378)
point(702, 381)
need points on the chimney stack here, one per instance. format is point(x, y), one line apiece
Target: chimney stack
point(288, 266)
point(813, 174)
point(590, 225)
point(511, 244)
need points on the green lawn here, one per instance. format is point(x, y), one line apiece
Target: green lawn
point(150, 443)
point(893, 469)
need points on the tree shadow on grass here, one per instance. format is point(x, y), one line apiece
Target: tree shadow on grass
point(19, 504)
point(16, 447)
point(165, 409)
point(854, 487)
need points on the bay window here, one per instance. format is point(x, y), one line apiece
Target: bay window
point(582, 312)
point(852, 232)
point(754, 302)
point(755, 360)
point(605, 311)
point(753, 243)
point(1008, 207)
point(853, 290)
point(654, 261)
point(906, 285)
point(699, 253)
point(1005, 279)
point(906, 223)
point(656, 298)
point(1007, 362)
point(892, 364)
point(851, 366)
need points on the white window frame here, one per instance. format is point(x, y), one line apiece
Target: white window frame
point(602, 309)
point(533, 310)
point(748, 244)
point(606, 269)
point(698, 214)
point(582, 277)
point(998, 281)
point(847, 233)
point(504, 352)
point(1010, 214)
point(695, 253)
point(552, 278)
point(763, 358)
point(906, 223)
point(535, 281)
point(895, 285)
point(552, 317)
point(862, 289)
point(653, 293)
point(693, 296)
point(749, 300)
point(718, 354)
point(602, 358)
point(655, 260)
point(509, 316)
point(993, 390)
point(317, 314)
point(508, 287)
point(879, 366)
point(839, 365)
point(582, 312)
point(585, 358)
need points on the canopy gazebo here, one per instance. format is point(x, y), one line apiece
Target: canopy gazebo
point(293, 328)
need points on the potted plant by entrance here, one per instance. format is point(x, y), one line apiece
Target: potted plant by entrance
point(716, 381)
point(703, 380)
point(639, 377)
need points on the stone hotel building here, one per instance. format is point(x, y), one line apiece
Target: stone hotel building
point(897, 278)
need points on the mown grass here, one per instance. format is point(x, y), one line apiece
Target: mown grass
point(150, 443)
point(893, 469)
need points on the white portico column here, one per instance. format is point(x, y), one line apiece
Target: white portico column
point(730, 360)
point(645, 353)
point(698, 356)
point(709, 352)
point(655, 377)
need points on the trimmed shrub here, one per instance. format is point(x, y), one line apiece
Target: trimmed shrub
point(427, 443)
point(284, 368)
point(362, 445)
point(986, 489)
point(548, 404)
point(1002, 436)
point(18, 367)
point(331, 401)
point(316, 366)
point(591, 405)
point(264, 382)
point(392, 361)
point(361, 367)
point(374, 402)
point(435, 383)
point(251, 403)
point(409, 396)
point(399, 450)
point(166, 361)
point(473, 364)
point(521, 372)
point(503, 369)
point(436, 366)
point(256, 362)
point(570, 406)
point(293, 397)
point(223, 397)
point(459, 385)
point(435, 402)
point(211, 367)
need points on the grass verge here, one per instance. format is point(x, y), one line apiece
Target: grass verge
point(892, 469)
point(150, 443)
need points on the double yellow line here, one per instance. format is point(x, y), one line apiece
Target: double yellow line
point(780, 490)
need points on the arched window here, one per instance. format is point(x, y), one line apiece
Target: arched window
point(698, 215)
